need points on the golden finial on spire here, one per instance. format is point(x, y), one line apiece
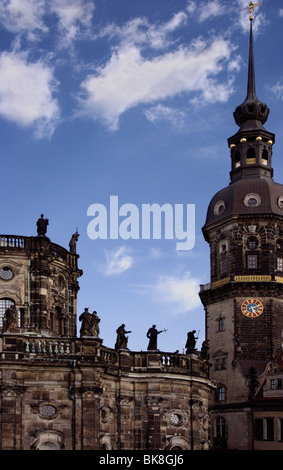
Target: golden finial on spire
point(251, 8)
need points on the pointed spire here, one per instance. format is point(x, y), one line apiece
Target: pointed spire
point(251, 146)
point(251, 72)
point(252, 113)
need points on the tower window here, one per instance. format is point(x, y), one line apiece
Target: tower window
point(251, 160)
point(221, 324)
point(221, 393)
point(264, 159)
point(252, 262)
point(280, 264)
point(4, 304)
point(221, 364)
point(252, 243)
point(252, 202)
point(273, 384)
point(220, 427)
point(237, 160)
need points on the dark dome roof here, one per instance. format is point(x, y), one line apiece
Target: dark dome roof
point(246, 197)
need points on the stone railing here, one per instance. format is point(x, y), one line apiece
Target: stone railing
point(49, 346)
point(37, 244)
point(90, 350)
point(12, 241)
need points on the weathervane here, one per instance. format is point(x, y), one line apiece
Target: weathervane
point(251, 8)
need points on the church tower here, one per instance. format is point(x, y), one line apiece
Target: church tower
point(38, 285)
point(244, 300)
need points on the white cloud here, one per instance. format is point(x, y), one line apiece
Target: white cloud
point(74, 17)
point(28, 17)
point(128, 79)
point(139, 31)
point(20, 16)
point(191, 7)
point(117, 261)
point(26, 93)
point(278, 90)
point(211, 9)
point(179, 293)
point(165, 113)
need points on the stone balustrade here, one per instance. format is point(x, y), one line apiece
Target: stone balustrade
point(90, 350)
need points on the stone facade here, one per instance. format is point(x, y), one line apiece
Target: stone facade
point(61, 391)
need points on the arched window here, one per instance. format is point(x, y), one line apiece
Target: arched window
point(237, 160)
point(252, 243)
point(4, 304)
point(48, 440)
point(264, 158)
point(220, 427)
point(251, 156)
point(221, 393)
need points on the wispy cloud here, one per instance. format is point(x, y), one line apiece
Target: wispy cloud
point(278, 90)
point(74, 16)
point(141, 32)
point(24, 17)
point(28, 17)
point(26, 93)
point(144, 65)
point(165, 113)
point(117, 261)
point(128, 79)
point(207, 9)
point(179, 293)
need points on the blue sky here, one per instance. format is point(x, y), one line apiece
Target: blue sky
point(135, 99)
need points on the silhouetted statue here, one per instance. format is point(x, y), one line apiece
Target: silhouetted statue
point(122, 339)
point(90, 324)
point(204, 354)
point(152, 335)
point(73, 243)
point(191, 342)
point(10, 321)
point(42, 225)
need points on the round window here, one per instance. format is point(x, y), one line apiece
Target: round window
point(6, 273)
point(175, 419)
point(219, 208)
point(252, 200)
point(47, 411)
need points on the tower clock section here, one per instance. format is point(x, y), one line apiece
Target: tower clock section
point(244, 300)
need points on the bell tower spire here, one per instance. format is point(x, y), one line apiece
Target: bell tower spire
point(251, 94)
point(244, 299)
point(251, 146)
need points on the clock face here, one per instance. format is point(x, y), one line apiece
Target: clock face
point(252, 308)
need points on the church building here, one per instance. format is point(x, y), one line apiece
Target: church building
point(60, 390)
